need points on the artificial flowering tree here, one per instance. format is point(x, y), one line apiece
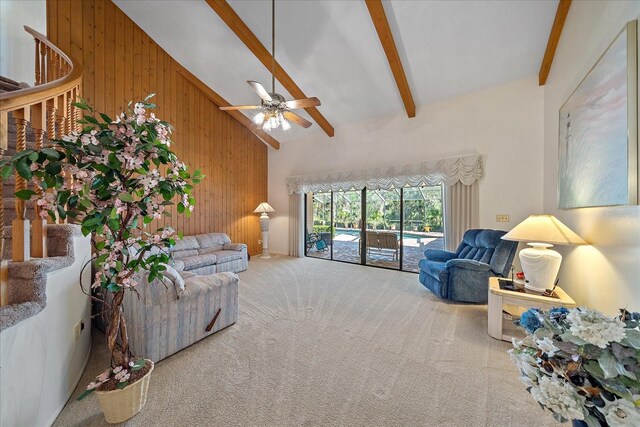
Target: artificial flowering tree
point(114, 178)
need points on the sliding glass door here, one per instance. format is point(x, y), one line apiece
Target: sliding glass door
point(318, 229)
point(383, 228)
point(399, 225)
point(347, 214)
point(423, 224)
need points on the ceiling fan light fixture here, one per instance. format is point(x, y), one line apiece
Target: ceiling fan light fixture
point(274, 110)
point(258, 118)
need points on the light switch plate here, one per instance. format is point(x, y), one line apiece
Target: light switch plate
point(502, 218)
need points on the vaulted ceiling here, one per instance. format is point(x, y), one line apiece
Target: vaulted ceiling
point(332, 51)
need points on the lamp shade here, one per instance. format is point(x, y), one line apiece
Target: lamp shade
point(264, 207)
point(544, 229)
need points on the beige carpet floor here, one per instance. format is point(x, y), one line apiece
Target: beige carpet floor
point(327, 343)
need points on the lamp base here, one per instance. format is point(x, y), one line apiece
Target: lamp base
point(540, 266)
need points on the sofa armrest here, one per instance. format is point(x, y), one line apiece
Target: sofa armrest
point(438, 255)
point(468, 264)
point(234, 246)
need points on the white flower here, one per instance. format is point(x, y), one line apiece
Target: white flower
point(117, 369)
point(91, 386)
point(104, 376)
point(621, 413)
point(546, 345)
point(594, 327)
point(124, 378)
point(559, 397)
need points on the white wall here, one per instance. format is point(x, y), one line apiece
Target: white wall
point(17, 59)
point(40, 360)
point(504, 124)
point(605, 275)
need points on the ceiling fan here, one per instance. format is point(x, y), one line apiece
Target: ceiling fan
point(275, 111)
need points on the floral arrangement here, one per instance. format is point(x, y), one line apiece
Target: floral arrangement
point(114, 177)
point(582, 365)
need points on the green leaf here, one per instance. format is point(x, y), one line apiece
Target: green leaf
point(23, 169)
point(50, 152)
point(126, 197)
point(568, 336)
point(180, 208)
point(106, 118)
point(114, 224)
point(24, 194)
point(54, 168)
point(632, 338)
point(33, 156)
point(7, 170)
point(85, 394)
point(151, 95)
point(91, 222)
point(609, 364)
point(91, 119)
point(121, 385)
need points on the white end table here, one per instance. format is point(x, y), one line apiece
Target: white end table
point(499, 297)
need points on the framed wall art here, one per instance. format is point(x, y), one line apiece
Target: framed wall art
point(598, 135)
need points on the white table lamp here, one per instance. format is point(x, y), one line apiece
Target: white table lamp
point(263, 208)
point(539, 263)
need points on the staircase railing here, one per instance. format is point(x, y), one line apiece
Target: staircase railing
point(47, 106)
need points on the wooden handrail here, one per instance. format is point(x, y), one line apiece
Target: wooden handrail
point(47, 108)
point(10, 101)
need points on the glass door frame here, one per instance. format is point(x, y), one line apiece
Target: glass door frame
point(363, 228)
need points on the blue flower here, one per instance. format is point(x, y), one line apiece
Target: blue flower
point(558, 313)
point(530, 320)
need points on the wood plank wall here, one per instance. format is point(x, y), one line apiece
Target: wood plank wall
point(121, 62)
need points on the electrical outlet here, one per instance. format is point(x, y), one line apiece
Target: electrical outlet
point(502, 218)
point(77, 329)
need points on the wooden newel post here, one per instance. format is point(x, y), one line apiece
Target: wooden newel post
point(39, 226)
point(20, 242)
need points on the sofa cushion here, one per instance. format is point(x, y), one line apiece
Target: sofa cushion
point(198, 261)
point(178, 265)
point(203, 251)
point(184, 254)
point(186, 243)
point(227, 256)
point(200, 285)
point(212, 240)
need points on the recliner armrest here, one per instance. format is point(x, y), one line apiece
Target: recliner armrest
point(439, 255)
point(234, 246)
point(468, 264)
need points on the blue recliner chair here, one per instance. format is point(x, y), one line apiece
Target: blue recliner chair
point(464, 275)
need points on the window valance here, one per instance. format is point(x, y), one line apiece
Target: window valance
point(466, 169)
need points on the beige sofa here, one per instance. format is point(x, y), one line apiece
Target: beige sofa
point(177, 310)
point(209, 253)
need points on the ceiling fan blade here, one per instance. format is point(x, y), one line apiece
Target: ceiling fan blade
point(303, 103)
point(241, 107)
point(293, 117)
point(260, 90)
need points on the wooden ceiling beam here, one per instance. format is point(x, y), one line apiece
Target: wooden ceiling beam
point(221, 102)
point(554, 38)
point(237, 25)
point(379, 18)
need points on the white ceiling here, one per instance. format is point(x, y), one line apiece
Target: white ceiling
point(331, 49)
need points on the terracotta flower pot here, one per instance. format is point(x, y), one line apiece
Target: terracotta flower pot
point(120, 405)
